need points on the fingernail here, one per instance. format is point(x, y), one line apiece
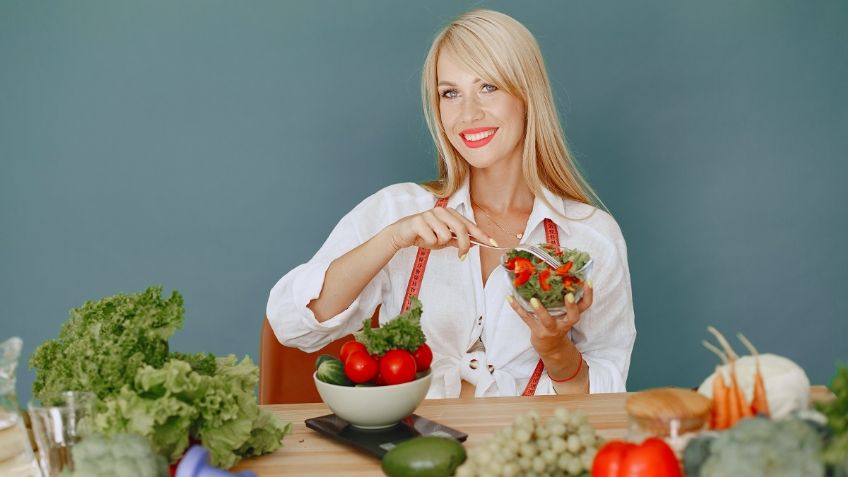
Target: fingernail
point(569, 298)
point(589, 283)
point(492, 241)
point(463, 257)
point(510, 299)
point(534, 302)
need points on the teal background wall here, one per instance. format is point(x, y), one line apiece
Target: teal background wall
point(210, 146)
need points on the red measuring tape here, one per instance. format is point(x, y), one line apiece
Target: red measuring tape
point(417, 276)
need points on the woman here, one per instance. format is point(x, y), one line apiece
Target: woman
point(505, 177)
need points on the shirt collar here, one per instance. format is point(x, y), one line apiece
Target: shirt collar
point(541, 211)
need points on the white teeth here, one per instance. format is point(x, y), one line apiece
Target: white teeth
point(479, 136)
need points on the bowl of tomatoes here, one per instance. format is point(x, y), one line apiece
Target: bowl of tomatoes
point(381, 375)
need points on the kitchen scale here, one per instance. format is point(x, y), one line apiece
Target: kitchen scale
point(379, 441)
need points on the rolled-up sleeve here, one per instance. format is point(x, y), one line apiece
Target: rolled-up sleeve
point(293, 323)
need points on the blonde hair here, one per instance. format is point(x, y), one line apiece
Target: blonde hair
point(501, 51)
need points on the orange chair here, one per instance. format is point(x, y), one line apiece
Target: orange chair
point(285, 374)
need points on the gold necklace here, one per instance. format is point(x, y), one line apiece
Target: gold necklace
point(518, 236)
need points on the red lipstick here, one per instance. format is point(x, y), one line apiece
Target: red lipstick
point(478, 137)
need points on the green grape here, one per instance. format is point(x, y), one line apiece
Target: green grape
point(511, 469)
point(574, 466)
point(561, 413)
point(466, 470)
point(574, 444)
point(586, 459)
point(522, 435)
point(539, 464)
point(527, 450)
point(564, 461)
point(558, 429)
point(558, 445)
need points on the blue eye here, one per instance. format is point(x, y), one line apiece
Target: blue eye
point(449, 94)
point(490, 88)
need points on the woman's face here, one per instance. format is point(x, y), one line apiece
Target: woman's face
point(485, 124)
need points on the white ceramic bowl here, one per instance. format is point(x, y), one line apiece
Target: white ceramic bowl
point(374, 407)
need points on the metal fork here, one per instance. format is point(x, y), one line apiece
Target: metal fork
point(533, 249)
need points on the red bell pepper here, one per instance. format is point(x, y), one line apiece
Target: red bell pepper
point(543, 279)
point(652, 458)
point(563, 270)
point(523, 269)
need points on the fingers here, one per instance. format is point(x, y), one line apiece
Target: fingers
point(465, 226)
point(572, 310)
point(545, 318)
point(528, 319)
point(438, 226)
point(587, 298)
point(457, 227)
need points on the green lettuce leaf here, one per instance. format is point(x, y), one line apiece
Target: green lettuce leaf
point(403, 332)
point(105, 342)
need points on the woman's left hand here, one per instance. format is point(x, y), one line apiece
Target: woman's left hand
point(548, 334)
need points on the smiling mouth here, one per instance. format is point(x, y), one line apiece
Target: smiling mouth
point(477, 137)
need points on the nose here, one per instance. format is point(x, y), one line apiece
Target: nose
point(471, 110)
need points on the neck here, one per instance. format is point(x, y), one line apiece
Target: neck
point(500, 188)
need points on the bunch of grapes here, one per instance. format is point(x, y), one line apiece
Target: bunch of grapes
point(564, 445)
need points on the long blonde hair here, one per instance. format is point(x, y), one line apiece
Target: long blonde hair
point(501, 51)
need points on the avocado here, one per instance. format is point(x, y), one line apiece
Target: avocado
point(427, 456)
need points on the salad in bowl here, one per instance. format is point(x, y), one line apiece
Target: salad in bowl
point(533, 278)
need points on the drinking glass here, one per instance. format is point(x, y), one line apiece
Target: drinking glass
point(56, 427)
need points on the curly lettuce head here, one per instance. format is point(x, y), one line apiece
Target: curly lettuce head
point(105, 342)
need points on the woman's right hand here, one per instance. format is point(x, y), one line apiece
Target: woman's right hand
point(435, 229)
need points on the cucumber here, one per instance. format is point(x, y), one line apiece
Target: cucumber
point(427, 456)
point(322, 358)
point(331, 371)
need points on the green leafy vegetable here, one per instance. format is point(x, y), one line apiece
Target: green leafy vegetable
point(118, 348)
point(836, 411)
point(104, 343)
point(403, 332)
point(121, 454)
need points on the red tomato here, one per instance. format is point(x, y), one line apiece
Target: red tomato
point(360, 367)
point(348, 348)
point(652, 458)
point(423, 357)
point(397, 366)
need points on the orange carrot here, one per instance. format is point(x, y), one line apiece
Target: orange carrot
point(720, 412)
point(738, 407)
point(759, 400)
point(743, 409)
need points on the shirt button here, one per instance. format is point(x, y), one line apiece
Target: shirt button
point(491, 369)
point(472, 364)
point(480, 320)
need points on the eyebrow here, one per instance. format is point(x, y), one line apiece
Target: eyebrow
point(448, 83)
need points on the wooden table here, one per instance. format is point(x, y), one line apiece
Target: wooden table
point(308, 453)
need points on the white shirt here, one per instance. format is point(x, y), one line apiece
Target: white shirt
point(457, 309)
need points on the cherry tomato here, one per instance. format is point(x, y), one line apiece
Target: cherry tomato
point(360, 367)
point(397, 366)
point(423, 357)
point(348, 348)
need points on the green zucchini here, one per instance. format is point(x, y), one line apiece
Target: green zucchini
point(427, 456)
point(331, 371)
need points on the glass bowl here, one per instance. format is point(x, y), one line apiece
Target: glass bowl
point(559, 311)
